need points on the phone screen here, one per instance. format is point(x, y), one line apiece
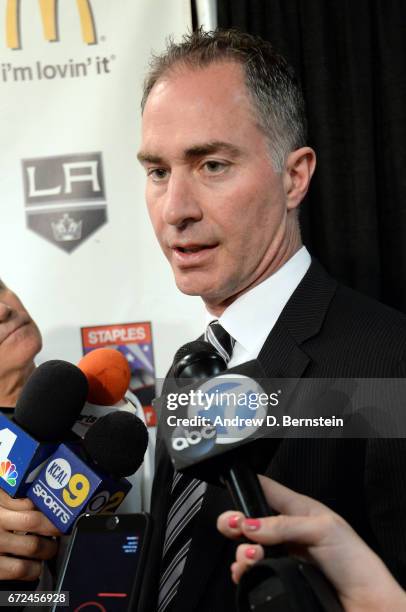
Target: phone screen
point(102, 564)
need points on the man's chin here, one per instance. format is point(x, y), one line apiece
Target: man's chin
point(188, 289)
point(210, 297)
point(190, 284)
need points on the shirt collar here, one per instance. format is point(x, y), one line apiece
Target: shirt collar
point(252, 316)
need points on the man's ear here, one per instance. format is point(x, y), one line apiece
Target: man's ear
point(299, 168)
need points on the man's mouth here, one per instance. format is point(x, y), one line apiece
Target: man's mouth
point(192, 254)
point(9, 333)
point(194, 248)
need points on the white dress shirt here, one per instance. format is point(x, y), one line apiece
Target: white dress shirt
point(252, 316)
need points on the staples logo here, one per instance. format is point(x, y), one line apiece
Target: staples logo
point(64, 197)
point(48, 14)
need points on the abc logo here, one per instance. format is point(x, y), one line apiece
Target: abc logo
point(231, 404)
point(193, 444)
point(58, 473)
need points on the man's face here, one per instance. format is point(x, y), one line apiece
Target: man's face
point(217, 206)
point(20, 339)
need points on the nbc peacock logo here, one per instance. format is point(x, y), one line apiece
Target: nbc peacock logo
point(8, 472)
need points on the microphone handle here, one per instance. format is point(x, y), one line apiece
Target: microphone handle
point(246, 491)
point(247, 494)
point(317, 592)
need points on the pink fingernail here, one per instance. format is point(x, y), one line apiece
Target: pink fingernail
point(233, 521)
point(250, 553)
point(252, 524)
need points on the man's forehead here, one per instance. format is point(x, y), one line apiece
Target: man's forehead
point(182, 74)
point(208, 113)
point(220, 84)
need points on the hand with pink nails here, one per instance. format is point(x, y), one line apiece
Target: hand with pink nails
point(313, 532)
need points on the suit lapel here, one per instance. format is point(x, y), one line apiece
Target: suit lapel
point(283, 355)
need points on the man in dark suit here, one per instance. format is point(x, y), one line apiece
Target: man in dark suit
point(224, 149)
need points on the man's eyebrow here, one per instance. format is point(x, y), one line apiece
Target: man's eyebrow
point(199, 150)
point(209, 148)
point(145, 157)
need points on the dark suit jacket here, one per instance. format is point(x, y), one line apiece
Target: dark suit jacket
point(325, 330)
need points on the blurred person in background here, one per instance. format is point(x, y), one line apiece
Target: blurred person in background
point(24, 532)
point(20, 342)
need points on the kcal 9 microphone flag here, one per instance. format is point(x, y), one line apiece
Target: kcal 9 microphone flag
point(67, 487)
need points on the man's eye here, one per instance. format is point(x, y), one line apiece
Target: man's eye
point(157, 174)
point(214, 167)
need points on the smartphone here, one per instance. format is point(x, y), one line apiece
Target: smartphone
point(102, 569)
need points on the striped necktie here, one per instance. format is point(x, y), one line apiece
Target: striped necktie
point(186, 499)
point(220, 339)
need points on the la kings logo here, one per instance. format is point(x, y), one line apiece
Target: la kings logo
point(65, 198)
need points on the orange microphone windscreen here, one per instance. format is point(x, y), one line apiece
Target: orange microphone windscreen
point(108, 374)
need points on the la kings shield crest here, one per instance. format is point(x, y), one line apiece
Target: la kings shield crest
point(65, 199)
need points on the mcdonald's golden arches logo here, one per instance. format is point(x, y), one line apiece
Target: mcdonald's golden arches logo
point(48, 12)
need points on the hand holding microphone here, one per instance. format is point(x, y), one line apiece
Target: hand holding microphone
point(48, 405)
point(314, 532)
point(282, 582)
point(24, 539)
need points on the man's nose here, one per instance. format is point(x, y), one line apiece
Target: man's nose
point(5, 312)
point(181, 205)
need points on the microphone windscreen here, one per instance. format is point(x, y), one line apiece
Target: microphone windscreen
point(197, 346)
point(108, 374)
point(51, 400)
point(197, 360)
point(117, 443)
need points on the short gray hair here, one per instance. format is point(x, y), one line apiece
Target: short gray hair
point(270, 80)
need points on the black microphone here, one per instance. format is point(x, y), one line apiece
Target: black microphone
point(51, 400)
point(88, 476)
point(47, 408)
point(196, 361)
point(279, 582)
point(193, 363)
point(117, 443)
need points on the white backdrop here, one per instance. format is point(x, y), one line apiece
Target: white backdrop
point(66, 98)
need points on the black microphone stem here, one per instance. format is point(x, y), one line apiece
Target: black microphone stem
point(248, 497)
point(246, 491)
